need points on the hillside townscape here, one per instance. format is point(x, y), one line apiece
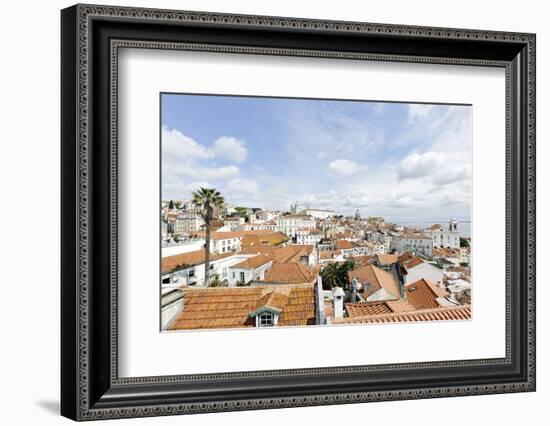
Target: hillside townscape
point(228, 266)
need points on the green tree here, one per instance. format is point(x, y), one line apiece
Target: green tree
point(208, 202)
point(464, 242)
point(336, 275)
point(216, 281)
point(171, 204)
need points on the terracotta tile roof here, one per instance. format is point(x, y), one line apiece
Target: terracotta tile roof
point(366, 308)
point(455, 313)
point(299, 308)
point(435, 227)
point(343, 244)
point(416, 236)
point(286, 254)
point(185, 260)
point(273, 239)
point(387, 259)
point(444, 252)
point(290, 273)
point(218, 308)
point(422, 294)
point(232, 307)
point(412, 262)
point(403, 257)
point(274, 301)
point(376, 308)
point(325, 255)
point(376, 279)
point(363, 260)
point(253, 262)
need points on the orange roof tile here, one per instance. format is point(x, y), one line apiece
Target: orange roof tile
point(217, 308)
point(375, 308)
point(232, 307)
point(343, 244)
point(376, 279)
point(403, 257)
point(286, 254)
point(290, 273)
point(185, 260)
point(273, 239)
point(325, 255)
point(387, 259)
point(454, 313)
point(412, 262)
point(422, 294)
point(363, 260)
point(253, 262)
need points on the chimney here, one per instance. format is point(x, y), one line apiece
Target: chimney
point(320, 302)
point(353, 295)
point(338, 302)
point(399, 272)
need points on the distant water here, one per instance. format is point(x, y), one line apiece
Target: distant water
point(463, 227)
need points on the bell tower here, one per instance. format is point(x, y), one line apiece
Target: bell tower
point(453, 225)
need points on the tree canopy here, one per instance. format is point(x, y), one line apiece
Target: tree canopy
point(336, 275)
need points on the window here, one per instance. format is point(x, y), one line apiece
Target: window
point(241, 275)
point(266, 320)
point(192, 273)
point(166, 280)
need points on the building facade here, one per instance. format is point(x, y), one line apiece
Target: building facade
point(187, 223)
point(418, 243)
point(291, 223)
point(445, 236)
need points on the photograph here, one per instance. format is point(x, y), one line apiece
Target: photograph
point(280, 212)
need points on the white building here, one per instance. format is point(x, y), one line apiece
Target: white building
point(464, 254)
point(291, 223)
point(265, 215)
point(308, 236)
point(319, 213)
point(187, 223)
point(253, 268)
point(233, 223)
point(259, 226)
point(223, 242)
point(188, 268)
point(185, 246)
point(424, 270)
point(418, 243)
point(445, 236)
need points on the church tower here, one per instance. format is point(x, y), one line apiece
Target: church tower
point(453, 225)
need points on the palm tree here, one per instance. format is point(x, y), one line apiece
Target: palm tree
point(208, 202)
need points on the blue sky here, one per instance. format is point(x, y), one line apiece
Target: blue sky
point(408, 162)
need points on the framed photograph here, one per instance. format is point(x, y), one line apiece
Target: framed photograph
point(263, 212)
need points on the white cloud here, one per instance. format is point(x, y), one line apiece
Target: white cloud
point(419, 165)
point(176, 147)
point(210, 173)
point(418, 111)
point(451, 175)
point(231, 148)
point(344, 167)
point(249, 186)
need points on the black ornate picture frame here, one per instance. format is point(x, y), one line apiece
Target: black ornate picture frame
point(91, 387)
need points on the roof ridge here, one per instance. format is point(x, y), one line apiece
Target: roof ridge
point(410, 314)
